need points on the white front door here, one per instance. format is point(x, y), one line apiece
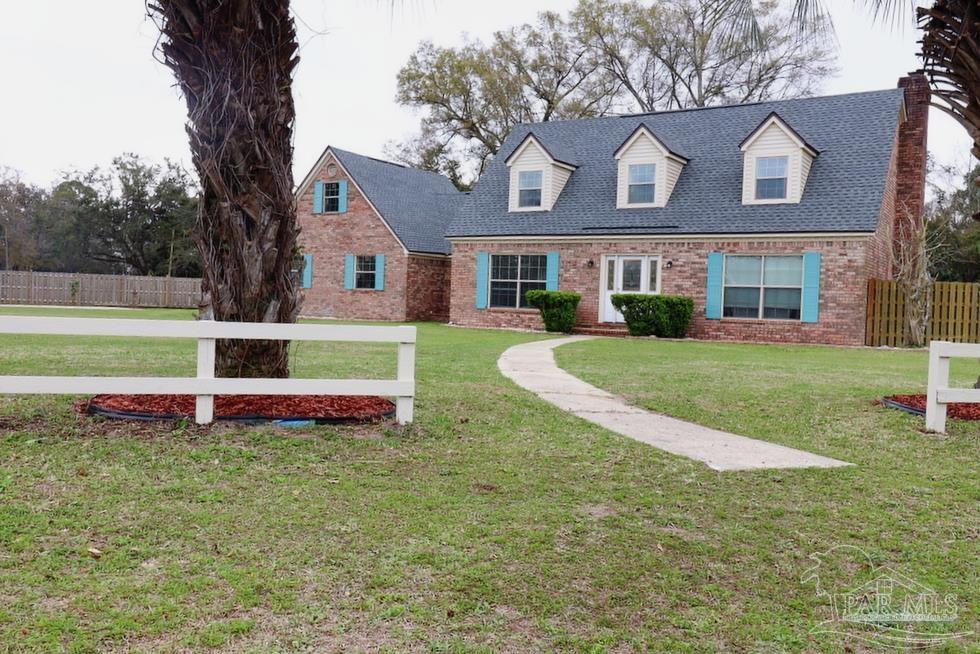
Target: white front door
point(627, 273)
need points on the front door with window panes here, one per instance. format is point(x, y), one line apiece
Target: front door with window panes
point(627, 273)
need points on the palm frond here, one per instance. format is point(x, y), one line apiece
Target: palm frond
point(739, 17)
point(893, 13)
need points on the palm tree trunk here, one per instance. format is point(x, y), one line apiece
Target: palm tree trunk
point(233, 60)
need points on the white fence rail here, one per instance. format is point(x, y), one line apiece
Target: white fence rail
point(205, 386)
point(938, 393)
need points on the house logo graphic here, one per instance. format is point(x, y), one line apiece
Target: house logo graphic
point(879, 605)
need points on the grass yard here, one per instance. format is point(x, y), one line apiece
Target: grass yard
point(495, 523)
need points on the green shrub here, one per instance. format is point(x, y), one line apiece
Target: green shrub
point(557, 308)
point(664, 316)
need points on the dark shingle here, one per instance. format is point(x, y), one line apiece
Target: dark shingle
point(854, 134)
point(418, 205)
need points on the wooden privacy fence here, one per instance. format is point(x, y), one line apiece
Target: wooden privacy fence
point(955, 313)
point(205, 386)
point(70, 289)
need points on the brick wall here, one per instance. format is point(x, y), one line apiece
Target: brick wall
point(912, 152)
point(428, 288)
point(842, 292)
point(878, 263)
point(328, 237)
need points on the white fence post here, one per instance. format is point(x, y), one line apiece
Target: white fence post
point(204, 406)
point(938, 378)
point(405, 404)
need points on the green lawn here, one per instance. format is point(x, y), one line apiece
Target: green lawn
point(495, 523)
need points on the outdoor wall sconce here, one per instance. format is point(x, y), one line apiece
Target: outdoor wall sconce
point(669, 265)
point(591, 263)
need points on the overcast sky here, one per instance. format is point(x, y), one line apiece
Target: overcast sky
point(81, 85)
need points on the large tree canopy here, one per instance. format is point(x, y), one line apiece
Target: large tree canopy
point(134, 216)
point(605, 56)
point(683, 53)
point(475, 94)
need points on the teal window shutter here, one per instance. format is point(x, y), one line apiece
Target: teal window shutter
point(318, 188)
point(349, 271)
point(810, 311)
point(307, 271)
point(379, 272)
point(713, 298)
point(342, 200)
point(482, 279)
point(551, 276)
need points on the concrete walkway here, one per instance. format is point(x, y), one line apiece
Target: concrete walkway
point(532, 366)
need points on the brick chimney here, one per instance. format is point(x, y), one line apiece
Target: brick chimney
point(910, 187)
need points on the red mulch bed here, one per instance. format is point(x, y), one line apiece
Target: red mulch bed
point(959, 410)
point(323, 408)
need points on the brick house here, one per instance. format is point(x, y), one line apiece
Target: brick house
point(373, 239)
point(771, 215)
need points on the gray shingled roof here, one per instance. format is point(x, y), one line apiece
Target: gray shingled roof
point(854, 134)
point(417, 205)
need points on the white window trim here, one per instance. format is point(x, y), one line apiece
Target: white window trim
point(519, 281)
point(757, 177)
point(656, 186)
point(327, 197)
point(358, 271)
point(540, 189)
point(762, 287)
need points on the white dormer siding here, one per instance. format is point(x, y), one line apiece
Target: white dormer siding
point(644, 148)
point(774, 138)
point(531, 156)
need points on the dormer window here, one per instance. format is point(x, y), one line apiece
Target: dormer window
point(776, 162)
point(537, 176)
point(529, 185)
point(642, 183)
point(770, 178)
point(646, 171)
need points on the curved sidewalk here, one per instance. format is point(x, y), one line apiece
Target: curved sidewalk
point(532, 366)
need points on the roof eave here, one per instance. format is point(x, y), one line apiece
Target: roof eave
point(775, 117)
point(533, 138)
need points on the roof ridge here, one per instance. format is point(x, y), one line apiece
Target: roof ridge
point(733, 105)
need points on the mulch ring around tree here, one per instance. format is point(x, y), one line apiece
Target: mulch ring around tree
point(322, 409)
point(917, 404)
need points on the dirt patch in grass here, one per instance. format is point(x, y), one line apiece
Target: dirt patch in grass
point(598, 511)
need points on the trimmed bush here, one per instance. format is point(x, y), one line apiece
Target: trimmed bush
point(557, 308)
point(664, 316)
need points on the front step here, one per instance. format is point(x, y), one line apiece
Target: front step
point(609, 329)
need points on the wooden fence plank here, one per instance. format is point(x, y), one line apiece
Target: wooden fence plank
point(955, 313)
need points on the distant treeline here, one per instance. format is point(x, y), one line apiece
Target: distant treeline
point(131, 218)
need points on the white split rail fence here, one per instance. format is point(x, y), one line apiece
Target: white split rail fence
point(938, 392)
point(205, 386)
